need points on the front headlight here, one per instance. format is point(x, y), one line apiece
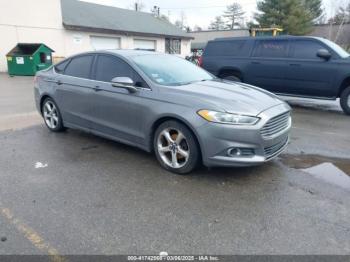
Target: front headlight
point(227, 118)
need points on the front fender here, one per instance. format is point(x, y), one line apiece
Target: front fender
point(187, 117)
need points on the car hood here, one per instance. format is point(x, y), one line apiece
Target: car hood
point(228, 96)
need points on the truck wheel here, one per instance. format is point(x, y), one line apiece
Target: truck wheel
point(231, 77)
point(345, 100)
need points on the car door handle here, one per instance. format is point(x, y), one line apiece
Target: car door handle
point(96, 88)
point(59, 82)
point(256, 63)
point(294, 64)
point(49, 80)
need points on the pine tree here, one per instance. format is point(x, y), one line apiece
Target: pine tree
point(294, 16)
point(217, 24)
point(314, 7)
point(234, 14)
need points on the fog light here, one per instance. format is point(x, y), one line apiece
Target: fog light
point(234, 152)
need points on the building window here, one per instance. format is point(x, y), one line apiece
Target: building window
point(172, 46)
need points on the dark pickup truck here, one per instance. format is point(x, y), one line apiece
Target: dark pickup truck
point(288, 65)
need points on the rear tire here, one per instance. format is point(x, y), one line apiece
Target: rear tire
point(176, 147)
point(345, 100)
point(231, 77)
point(52, 116)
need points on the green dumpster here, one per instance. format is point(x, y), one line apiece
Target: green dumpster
point(26, 59)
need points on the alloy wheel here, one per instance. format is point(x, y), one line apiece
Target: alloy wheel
point(50, 114)
point(173, 148)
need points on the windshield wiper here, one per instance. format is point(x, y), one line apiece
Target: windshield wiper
point(195, 81)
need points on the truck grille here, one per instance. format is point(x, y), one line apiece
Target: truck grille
point(276, 125)
point(272, 150)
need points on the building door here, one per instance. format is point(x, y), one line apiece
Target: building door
point(142, 44)
point(103, 43)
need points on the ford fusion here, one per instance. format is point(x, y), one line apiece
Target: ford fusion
point(166, 105)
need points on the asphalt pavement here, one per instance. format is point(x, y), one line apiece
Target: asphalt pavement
point(74, 193)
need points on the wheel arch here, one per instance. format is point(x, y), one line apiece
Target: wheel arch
point(234, 70)
point(165, 118)
point(42, 99)
point(344, 84)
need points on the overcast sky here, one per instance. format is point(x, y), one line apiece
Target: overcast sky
point(201, 12)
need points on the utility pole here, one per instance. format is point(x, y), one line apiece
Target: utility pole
point(233, 20)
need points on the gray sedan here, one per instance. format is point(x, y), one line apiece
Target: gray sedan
point(164, 104)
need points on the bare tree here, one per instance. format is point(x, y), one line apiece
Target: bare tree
point(181, 23)
point(164, 17)
point(342, 16)
point(183, 18)
point(138, 5)
point(234, 15)
point(197, 28)
point(345, 14)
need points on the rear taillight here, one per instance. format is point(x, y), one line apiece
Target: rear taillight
point(200, 61)
point(36, 80)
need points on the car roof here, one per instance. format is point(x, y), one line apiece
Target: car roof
point(119, 52)
point(129, 52)
point(126, 53)
point(265, 38)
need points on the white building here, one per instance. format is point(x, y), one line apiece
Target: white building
point(72, 26)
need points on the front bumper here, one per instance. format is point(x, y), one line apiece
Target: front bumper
point(218, 139)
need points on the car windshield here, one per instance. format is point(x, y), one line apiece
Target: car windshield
point(338, 49)
point(170, 70)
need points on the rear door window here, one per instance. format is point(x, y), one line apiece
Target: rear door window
point(80, 66)
point(306, 49)
point(271, 48)
point(61, 66)
point(231, 48)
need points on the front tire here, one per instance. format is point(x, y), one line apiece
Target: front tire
point(345, 100)
point(176, 147)
point(52, 116)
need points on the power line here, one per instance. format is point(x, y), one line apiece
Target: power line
point(193, 7)
point(203, 7)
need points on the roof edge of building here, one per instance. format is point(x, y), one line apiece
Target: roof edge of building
point(122, 32)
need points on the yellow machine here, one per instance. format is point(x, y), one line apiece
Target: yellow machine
point(273, 31)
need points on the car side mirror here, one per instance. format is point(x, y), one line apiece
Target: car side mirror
point(323, 53)
point(124, 82)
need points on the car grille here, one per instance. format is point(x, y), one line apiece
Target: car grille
point(272, 150)
point(276, 125)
